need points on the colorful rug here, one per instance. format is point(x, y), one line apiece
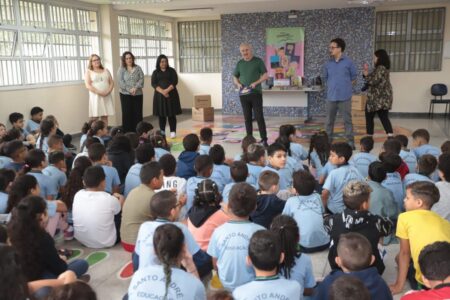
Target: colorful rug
point(231, 130)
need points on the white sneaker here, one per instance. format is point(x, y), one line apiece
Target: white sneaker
point(173, 135)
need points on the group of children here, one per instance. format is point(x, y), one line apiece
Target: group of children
point(242, 225)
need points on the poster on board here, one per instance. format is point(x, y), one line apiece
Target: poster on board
point(285, 54)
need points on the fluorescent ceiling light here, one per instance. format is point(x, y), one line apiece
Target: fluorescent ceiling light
point(189, 9)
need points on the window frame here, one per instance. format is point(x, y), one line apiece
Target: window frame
point(147, 37)
point(50, 31)
point(206, 44)
point(411, 40)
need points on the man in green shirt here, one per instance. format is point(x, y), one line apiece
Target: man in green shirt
point(249, 73)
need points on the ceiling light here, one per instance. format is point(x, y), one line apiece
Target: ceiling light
point(130, 2)
point(189, 9)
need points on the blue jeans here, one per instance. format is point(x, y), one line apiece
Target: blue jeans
point(78, 266)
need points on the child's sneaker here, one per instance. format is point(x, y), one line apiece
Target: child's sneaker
point(68, 233)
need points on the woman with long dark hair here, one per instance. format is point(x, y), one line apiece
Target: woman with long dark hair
point(166, 101)
point(131, 82)
point(34, 246)
point(379, 92)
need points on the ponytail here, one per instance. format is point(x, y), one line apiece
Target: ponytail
point(95, 127)
point(287, 229)
point(45, 129)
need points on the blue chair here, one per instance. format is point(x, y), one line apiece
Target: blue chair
point(438, 90)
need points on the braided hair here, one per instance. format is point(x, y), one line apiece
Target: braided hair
point(207, 193)
point(168, 242)
point(287, 229)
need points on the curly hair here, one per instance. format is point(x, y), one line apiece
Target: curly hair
point(25, 234)
point(75, 180)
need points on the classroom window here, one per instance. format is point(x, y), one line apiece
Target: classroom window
point(146, 39)
point(413, 38)
point(200, 46)
point(43, 43)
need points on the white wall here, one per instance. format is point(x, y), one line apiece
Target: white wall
point(69, 104)
point(200, 84)
point(412, 89)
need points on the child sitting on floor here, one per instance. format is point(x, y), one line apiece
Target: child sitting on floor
point(355, 258)
point(97, 154)
point(268, 205)
point(382, 201)
point(442, 208)
point(296, 265)
point(264, 254)
point(393, 181)
point(246, 141)
point(206, 214)
point(239, 173)
point(229, 243)
point(159, 142)
point(206, 136)
point(204, 167)
point(221, 172)
point(307, 210)
point(256, 161)
point(144, 130)
point(421, 143)
point(357, 218)
point(172, 182)
point(363, 159)
point(407, 156)
point(186, 159)
point(426, 166)
point(34, 123)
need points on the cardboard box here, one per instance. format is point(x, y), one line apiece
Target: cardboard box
point(359, 102)
point(358, 114)
point(202, 101)
point(205, 114)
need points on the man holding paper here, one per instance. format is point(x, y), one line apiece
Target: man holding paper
point(250, 71)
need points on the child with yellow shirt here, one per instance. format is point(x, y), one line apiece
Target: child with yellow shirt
point(417, 228)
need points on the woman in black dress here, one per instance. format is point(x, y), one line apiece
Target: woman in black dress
point(166, 101)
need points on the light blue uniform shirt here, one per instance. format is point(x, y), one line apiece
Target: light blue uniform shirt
point(47, 185)
point(112, 178)
point(226, 191)
point(191, 185)
point(393, 182)
point(317, 164)
point(55, 174)
point(269, 288)
point(229, 244)
point(253, 175)
point(338, 77)
point(221, 176)
point(160, 152)
point(133, 179)
point(410, 159)
point(204, 149)
point(361, 161)
point(427, 149)
point(32, 126)
point(335, 183)
point(302, 272)
point(307, 212)
point(382, 201)
point(82, 140)
point(410, 178)
point(4, 161)
point(3, 202)
point(44, 146)
point(298, 152)
point(293, 164)
point(285, 176)
point(144, 242)
point(150, 283)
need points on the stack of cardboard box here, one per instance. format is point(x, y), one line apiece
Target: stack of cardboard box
point(202, 110)
point(358, 108)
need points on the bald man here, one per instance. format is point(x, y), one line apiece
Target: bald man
point(250, 71)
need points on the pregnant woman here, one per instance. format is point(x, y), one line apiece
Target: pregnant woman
point(100, 84)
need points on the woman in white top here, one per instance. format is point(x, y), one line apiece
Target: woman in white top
point(100, 84)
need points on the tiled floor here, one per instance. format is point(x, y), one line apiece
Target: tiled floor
point(105, 275)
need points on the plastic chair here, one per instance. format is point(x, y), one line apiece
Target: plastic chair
point(438, 90)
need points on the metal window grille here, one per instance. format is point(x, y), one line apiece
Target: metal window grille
point(146, 39)
point(413, 38)
point(200, 46)
point(45, 42)
point(7, 12)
